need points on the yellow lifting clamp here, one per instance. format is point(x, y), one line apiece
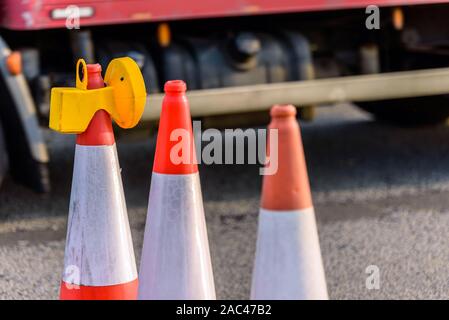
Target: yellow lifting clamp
point(71, 109)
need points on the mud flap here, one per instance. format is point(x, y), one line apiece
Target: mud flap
point(3, 156)
point(25, 145)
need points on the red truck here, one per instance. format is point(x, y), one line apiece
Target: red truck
point(237, 56)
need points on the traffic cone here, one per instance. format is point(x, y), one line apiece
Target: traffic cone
point(175, 261)
point(99, 261)
point(288, 262)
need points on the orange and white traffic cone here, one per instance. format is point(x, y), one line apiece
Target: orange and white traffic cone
point(175, 261)
point(288, 262)
point(99, 258)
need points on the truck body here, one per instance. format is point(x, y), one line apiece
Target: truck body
point(38, 14)
point(304, 52)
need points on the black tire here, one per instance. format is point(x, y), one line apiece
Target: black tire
point(3, 156)
point(418, 111)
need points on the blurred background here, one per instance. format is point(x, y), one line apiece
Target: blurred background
point(370, 80)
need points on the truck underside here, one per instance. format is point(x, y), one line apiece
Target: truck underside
point(262, 52)
point(241, 51)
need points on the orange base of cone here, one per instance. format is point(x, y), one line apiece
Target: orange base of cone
point(124, 291)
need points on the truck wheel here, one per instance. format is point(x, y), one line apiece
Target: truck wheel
point(3, 156)
point(418, 111)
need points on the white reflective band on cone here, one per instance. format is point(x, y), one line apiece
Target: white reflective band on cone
point(175, 260)
point(288, 261)
point(99, 246)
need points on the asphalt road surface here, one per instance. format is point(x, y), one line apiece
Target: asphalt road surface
point(380, 193)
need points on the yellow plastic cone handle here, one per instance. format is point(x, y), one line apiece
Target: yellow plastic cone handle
point(124, 97)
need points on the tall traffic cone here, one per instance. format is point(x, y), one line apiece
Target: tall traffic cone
point(175, 260)
point(288, 262)
point(99, 258)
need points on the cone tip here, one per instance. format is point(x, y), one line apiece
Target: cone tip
point(177, 86)
point(93, 67)
point(281, 111)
